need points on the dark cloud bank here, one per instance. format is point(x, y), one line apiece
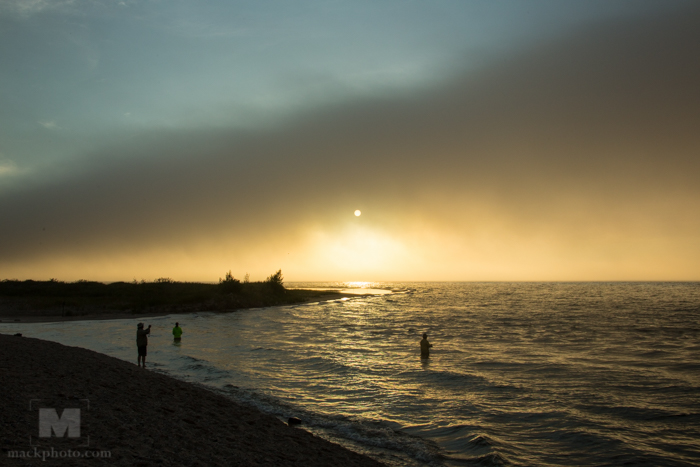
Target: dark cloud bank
point(593, 132)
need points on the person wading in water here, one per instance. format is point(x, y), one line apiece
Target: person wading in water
point(142, 342)
point(425, 347)
point(177, 332)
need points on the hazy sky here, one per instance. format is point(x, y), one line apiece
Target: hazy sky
point(482, 140)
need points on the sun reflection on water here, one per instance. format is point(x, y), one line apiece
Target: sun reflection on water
point(359, 284)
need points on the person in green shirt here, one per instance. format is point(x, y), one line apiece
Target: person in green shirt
point(177, 332)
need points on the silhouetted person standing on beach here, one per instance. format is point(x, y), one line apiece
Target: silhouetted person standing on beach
point(142, 342)
point(177, 332)
point(425, 347)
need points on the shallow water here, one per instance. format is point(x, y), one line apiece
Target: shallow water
point(536, 374)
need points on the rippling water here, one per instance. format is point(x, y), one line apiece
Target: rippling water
point(536, 374)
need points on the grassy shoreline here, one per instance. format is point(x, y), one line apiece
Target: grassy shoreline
point(32, 300)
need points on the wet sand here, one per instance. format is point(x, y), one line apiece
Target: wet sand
point(140, 417)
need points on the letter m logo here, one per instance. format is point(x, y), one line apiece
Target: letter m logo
point(69, 421)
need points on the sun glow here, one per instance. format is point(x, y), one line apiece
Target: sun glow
point(358, 213)
point(354, 252)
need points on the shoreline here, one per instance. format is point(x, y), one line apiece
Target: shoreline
point(36, 316)
point(142, 417)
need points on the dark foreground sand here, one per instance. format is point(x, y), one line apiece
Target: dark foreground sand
point(142, 418)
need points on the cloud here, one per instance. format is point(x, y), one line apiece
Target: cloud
point(32, 7)
point(7, 168)
point(574, 160)
point(50, 125)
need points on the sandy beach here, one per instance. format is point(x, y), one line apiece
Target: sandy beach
point(139, 417)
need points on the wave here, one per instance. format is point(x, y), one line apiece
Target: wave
point(381, 439)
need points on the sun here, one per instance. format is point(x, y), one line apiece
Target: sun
point(358, 212)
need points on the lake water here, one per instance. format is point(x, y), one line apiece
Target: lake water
point(531, 374)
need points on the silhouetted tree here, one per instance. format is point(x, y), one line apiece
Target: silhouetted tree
point(229, 284)
point(276, 281)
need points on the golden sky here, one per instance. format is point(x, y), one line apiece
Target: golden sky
point(569, 154)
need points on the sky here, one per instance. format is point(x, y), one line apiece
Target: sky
point(481, 140)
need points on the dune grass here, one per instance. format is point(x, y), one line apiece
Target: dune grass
point(57, 298)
